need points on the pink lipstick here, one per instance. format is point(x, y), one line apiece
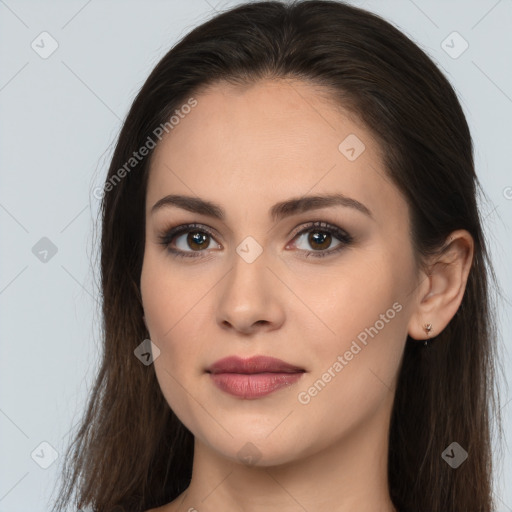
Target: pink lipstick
point(254, 377)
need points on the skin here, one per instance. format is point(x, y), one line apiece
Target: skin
point(247, 148)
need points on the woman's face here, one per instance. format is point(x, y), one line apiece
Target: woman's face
point(254, 282)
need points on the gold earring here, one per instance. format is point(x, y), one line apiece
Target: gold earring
point(427, 328)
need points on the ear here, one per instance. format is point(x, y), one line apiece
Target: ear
point(441, 291)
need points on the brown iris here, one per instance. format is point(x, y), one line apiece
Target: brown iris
point(319, 237)
point(196, 238)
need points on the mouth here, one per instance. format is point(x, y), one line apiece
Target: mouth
point(254, 377)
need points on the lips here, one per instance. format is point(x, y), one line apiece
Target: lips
point(256, 364)
point(254, 377)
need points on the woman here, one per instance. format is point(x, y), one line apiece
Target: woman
point(295, 280)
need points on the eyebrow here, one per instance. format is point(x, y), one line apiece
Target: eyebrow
point(279, 211)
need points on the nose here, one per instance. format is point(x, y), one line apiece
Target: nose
point(251, 297)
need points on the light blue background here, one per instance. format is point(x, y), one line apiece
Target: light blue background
point(59, 119)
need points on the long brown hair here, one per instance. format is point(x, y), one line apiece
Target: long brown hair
point(131, 452)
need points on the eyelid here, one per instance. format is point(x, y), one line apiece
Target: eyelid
point(321, 226)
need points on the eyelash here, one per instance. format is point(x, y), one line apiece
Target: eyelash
point(318, 226)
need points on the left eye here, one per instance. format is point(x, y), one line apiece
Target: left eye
point(319, 236)
point(317, 239)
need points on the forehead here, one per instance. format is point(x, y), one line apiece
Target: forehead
point(277, 119)
point(268, 141)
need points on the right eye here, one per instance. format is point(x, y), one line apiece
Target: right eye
point(197, 236)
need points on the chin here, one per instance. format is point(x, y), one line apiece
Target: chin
point(250, 447)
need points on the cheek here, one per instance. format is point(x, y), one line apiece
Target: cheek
point(354, 374)
point(354, 300)
point(170, 295)
point(356, 363)
point(174, 308)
